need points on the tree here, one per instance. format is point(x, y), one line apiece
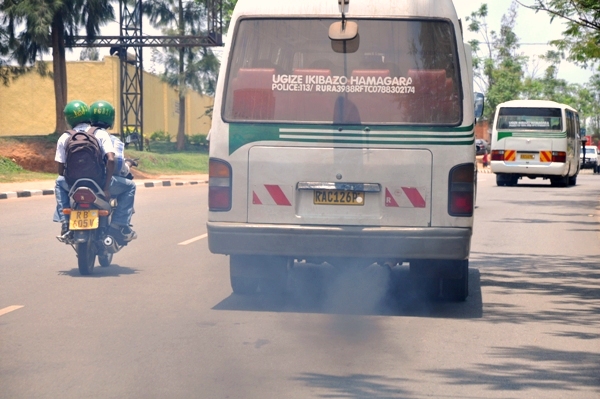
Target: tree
point(184, 67)
point(481, 64)
point(549, 86)
point(582, 35)
point(500, 71)
point(50, 25)
point(589, 100)
point(227, 10)
point(90, 54)
point(8, 70)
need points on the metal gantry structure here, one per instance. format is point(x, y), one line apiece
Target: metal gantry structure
point(131, 64)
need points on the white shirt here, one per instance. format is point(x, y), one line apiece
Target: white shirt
point(101, 135)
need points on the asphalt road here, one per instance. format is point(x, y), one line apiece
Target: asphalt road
point(162, 322)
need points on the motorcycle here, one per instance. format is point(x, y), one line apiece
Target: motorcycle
point(90, 232)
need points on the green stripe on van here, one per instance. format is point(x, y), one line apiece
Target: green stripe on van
point(241, 134)
point(532, 135)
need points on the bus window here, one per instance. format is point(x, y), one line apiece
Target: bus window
point(535, 119)
point(285, 70)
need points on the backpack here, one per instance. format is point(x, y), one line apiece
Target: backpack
point(84, 158)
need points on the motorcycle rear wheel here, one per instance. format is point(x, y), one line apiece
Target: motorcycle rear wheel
point(86, 256)
point(105, 260)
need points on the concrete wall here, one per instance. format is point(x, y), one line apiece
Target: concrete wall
point(27, 105)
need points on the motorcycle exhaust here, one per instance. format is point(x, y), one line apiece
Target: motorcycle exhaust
point(111, 245)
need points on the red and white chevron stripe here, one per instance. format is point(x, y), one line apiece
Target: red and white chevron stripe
point(272, 194)
point(405, 197)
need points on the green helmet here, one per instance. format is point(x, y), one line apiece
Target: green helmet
point(102, 114)
point(76, 112)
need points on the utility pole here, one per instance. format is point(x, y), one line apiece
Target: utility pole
point(131, 70)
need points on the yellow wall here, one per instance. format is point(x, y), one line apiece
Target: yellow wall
point(27, 105)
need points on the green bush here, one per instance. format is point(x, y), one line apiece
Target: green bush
point(160, 135)
point(196, 139)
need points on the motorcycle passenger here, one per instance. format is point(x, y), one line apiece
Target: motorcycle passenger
point(78, 117)
point(102, 115)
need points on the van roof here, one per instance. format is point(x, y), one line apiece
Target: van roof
point(533, 104)
point(356, 8)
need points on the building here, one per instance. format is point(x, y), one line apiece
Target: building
point(483, 131)
point(27, 105)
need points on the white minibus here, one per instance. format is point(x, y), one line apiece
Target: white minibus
point(343, 133)
point(535, 139)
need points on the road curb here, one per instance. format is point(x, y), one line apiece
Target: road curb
point(144, 184)
point(9, 194)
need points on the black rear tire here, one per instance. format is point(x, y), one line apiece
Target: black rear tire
point(560, 181)
point(105, 260)
point(86, 256)
point(507, 180)
point(500, 181)
point(457, 289)
point(250, 274)
point(244, 285)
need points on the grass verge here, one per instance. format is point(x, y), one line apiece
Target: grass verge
point(164, 159)
point(10, 172)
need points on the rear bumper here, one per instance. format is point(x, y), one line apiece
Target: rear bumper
point(339, 241)
point(589, 164)
point(553, 169)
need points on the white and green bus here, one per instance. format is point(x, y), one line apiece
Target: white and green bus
point(343, 133)
point(535, 139)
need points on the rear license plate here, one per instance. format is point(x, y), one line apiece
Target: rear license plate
point(527, 156)
point(338, 197)
point(83, 220)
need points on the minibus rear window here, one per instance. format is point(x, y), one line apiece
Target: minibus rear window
point(285, 70)
point(542, 119)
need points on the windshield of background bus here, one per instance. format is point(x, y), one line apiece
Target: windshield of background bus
point(404, 72)
point(542, 119)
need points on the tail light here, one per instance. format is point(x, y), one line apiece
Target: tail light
point(461, 190)
point(219, 185)
point(497, 155)
point(84, 196)
point(559, 156)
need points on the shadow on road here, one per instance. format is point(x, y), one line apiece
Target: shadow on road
point(531, 367)
point(372, 291)
point(356, 385)
point(110, 271)
point(556, 295)
point(569, 283)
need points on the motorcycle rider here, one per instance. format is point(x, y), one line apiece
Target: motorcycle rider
point(78, 117)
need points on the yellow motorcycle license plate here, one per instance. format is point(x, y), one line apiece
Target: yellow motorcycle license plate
point(84, 220)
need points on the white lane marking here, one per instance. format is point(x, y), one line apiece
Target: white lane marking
point(9, 309)
point(193, 239)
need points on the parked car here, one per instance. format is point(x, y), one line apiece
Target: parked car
point(591, 160)
point(481, 145)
